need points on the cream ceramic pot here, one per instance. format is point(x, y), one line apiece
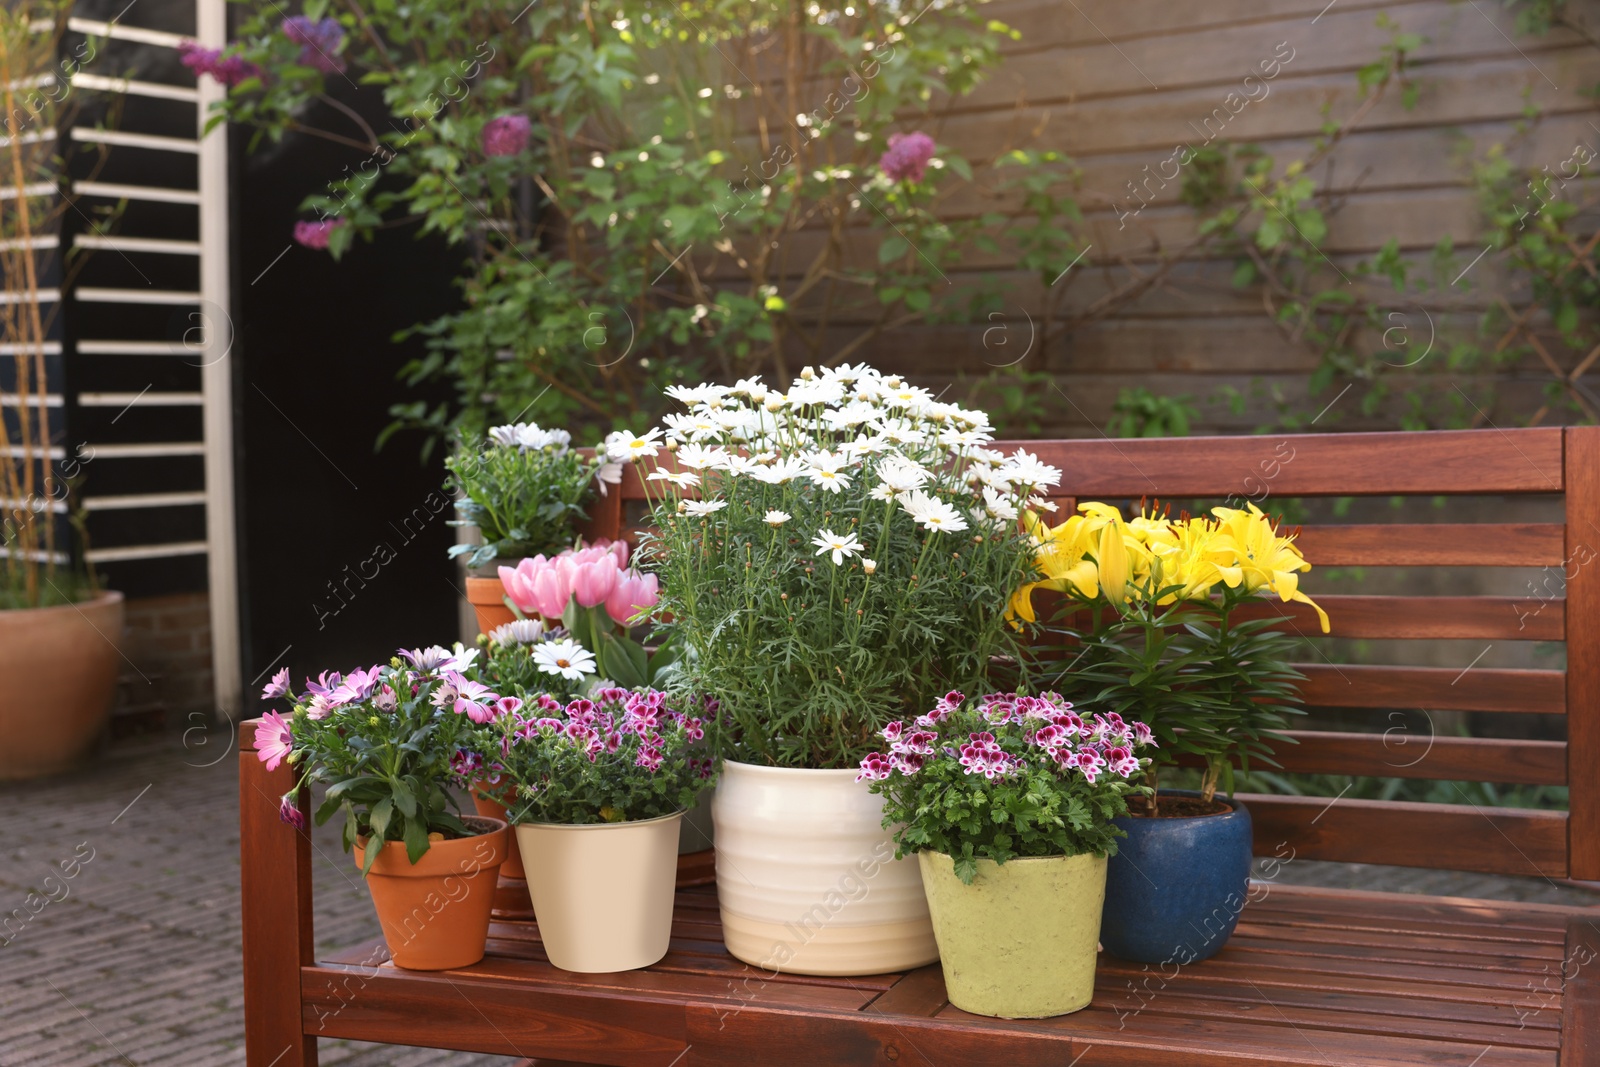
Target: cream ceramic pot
point(807, 878)
point(602, 892)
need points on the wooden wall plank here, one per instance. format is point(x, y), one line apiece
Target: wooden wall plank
point(1413, 754)
point(1460, 618)
point(1583, 646)
point(275, 913)
point(1351, 685)
point(1454, 837)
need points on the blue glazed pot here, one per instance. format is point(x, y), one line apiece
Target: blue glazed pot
point(1175, 888)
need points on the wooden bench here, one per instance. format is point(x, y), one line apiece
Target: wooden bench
point(1313, 976)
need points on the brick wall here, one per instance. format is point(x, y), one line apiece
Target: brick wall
point(168, 640)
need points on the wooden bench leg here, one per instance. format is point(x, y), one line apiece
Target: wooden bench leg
point(275, 913)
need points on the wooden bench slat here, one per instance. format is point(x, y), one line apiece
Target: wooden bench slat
point(1348, 464)
point(1534, 1031)
point(1485, 618)
point(1511, 544)
point(1326, 920)
point(1542, 692)
point(1580, 1007)
point(1402, 947)
point(1467, 911)
point(1416, 755)
point(1461, 838)
point(1583, 650)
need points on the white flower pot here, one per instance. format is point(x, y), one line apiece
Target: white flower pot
point(807, 877)
point(602, 892)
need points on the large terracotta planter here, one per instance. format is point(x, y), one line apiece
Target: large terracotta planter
point(807, 878)
point(435, 913)
point(58, 675)
point(1019, 942)
point(488, 599)
point(602, 892)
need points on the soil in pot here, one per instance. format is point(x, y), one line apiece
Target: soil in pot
point(435, 913)
point(1176, 886)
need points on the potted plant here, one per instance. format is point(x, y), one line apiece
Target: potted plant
point(601, 784)
point(832, 558)
point(1150, 605)
point(55, 620)
point(1008, 804)
point(525, 490)
point(383, 742)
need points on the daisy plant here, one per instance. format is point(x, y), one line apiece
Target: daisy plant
point(618, 755)
point(381, 740)
point(833, 556)
point(525, 489)
point(1150, 609)
point(1006, 777)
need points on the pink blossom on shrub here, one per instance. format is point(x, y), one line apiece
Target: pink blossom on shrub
point(211, 62)
point(506, 135)
point(907, 157)
point(316, 234)
point(319, 42)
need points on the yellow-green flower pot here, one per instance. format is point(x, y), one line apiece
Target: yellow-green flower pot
point(1019, 942)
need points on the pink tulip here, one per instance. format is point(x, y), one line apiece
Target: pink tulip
point(593, 582)
point(552, 588)
point(633, 594)
point(518, 582)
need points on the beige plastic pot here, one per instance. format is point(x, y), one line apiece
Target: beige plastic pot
point(1019, 942)
point(74, 646)
point(807, 878)
point(602, 892)
point(435, 912)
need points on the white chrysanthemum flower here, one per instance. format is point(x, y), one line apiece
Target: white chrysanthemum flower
point(777, 518)
point(565, 657)
point(633, 446)
point(869, 565)
point(504, 436)
point(988, 456)
point(752, 387)
point(823, 460)
point(681, 479)
point(903, 397)
point(901, 433)
point(931, 513)
point(897, 475)
point(849, 375)
point(963, 441)
point(518, 632)
point(1039, 503)
point(608, 473)
point(1025, 471)
point(701, 508)
point(817, 391)
point(834, 481)
point(864, 446)
point(780, 472)
point(855, 413)
point(737, 464)
point(692, 395)
point(842, 547)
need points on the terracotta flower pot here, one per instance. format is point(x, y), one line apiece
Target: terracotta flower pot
point(74, 646)
point(1019, 942)
point(487, 597)
point(603, 892)
point(493, 809)
point(435, 913)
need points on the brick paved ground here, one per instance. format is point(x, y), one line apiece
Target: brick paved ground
point(139, 962)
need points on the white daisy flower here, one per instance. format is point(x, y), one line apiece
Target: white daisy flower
point(681, 479)
point(698, 458)
point(834, 481)
point(1039, 503)
point(869, 565)
point(752, 387)
point(518, 632)
point(842, 547)
point(777, 518)
point(565, 657)
point(608, 473)
point(931, 513)
point(998, 507)
point(701, 508)
point(737, 464)
point(780, 472)
point(963, 440)
point(897, 475)
point(1024, 469)
point(632, 446)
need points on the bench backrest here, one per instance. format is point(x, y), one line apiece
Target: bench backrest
point(1461, 836)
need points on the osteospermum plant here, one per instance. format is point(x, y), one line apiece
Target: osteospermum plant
point(381, 740)
point(618, 756)
point(1006, 777)
point(833, 556)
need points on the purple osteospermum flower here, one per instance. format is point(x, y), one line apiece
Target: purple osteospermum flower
point(506, 135)
point(385, 699)
point(290, 812)
point(874, 768)
point(274, 740)
point(278, 687)
point(319, 42)
point(907, 157)
point(316, 234)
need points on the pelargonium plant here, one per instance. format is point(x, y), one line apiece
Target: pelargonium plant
point(382, 741)
point(593, 592)
point(526, 490)
point(834, 556)
point(618, 756)
point(1005, 777)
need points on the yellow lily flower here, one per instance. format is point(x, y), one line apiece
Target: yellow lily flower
point(1260, 558)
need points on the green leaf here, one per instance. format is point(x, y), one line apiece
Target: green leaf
point(416, 836)
point(893, 247)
